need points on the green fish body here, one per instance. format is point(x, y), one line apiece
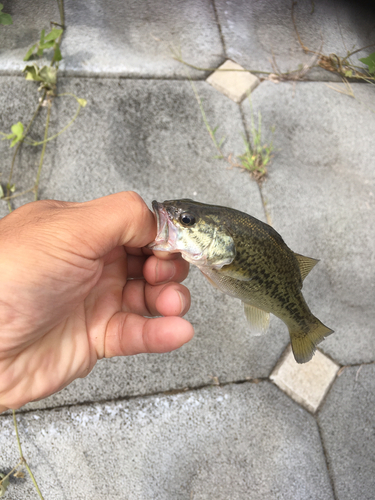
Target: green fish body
point(247, 259)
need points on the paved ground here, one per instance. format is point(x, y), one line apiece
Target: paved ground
point(159, 426)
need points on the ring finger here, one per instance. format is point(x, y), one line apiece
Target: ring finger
point(170, 299)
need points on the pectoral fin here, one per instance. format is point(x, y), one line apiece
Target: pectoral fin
point(237, 273)
point(258, 320)
point(305, 264)
point(210, 280)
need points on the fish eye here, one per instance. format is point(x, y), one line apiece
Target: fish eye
point(187, 219)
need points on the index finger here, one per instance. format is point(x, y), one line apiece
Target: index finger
point(167, 255)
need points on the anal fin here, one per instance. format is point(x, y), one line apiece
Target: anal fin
point(258, 319)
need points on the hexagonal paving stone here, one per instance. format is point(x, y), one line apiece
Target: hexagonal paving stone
point(115, 37)
point(347, 422)
point(246, 441)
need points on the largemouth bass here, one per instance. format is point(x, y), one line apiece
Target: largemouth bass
point(247, 259)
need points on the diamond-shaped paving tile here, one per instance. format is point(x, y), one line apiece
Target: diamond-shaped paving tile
point(306, 383)
point(235, 84)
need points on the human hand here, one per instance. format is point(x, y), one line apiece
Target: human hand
point(69, 293)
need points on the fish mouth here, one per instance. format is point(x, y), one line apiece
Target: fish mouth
point(166, 236)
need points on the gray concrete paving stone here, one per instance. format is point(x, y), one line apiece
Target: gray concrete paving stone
point(261, 36)
point(237, 441)
point(117, 38)
point(321, 197)
point(149, 136)
point(347, 425)
point(29, 19)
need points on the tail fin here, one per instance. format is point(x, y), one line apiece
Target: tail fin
point(304, 343)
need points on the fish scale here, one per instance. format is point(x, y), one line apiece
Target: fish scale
point(247, 259)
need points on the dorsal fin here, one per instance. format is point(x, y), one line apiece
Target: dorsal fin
point(305, 264)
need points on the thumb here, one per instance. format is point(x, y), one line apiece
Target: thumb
point(90, 229)
point(118, 219)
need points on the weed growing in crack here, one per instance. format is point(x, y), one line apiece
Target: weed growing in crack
point(46, 76)
point(257, 154)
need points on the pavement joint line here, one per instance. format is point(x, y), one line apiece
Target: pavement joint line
point(63, 74)
point(266, 214)
point(184, 390)
point(170, 392)
point(264, 204)
point(219, 28)
point(325, 454)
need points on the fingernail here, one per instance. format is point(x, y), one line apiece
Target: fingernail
point(165, 270)
point(183, 302)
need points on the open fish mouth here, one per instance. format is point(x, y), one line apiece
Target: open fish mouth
point(166, 237)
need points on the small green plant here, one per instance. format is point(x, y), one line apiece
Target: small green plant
point(370, 63)
point(341, 66)
point(5, 19)
point(16, 471)
point(211, 131)
point(3, 484)
point(16, 135)
point(257, 154)
point(46, 76)
point(49, 41)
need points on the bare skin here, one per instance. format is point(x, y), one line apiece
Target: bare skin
point(75, 286)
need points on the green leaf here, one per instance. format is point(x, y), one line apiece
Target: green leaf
point(53, 35)
point(221, 141)
point(17, 129)
point(46, 45)
point(5, 19)
point(29, 53)
point(17, 133)
point(57, 55)
point(11, 187)
point(82, 102)
point(1, 196)
point(370, 62)
point(47, 74)
point(348, 73)
point(32, 72)
point(42, 33)
point(4, 485)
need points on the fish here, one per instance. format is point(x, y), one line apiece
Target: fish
point(247, 259)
